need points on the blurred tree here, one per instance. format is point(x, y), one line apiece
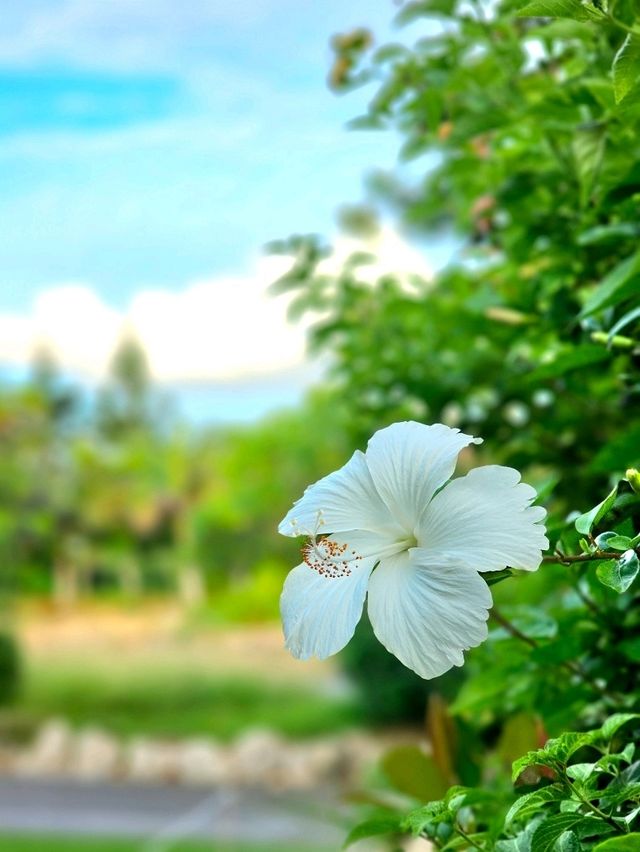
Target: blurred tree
point(124, 404)
point(61, 400)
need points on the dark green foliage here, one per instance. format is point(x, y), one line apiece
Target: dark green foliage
point(390, 692)
point(10, 668)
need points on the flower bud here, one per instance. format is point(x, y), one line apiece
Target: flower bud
point(633, 477)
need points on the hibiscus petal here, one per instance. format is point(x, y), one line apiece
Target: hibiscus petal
point(485, 521)
point(426, 613)
point(409, 462)
point(344, 500)
point(319, 613)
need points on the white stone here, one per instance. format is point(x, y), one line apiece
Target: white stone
point(326, 760)
point(360, 751)
point(96, 755)
point(50, 752)
point(257, 758)
point(203, 762)
point(152, 761)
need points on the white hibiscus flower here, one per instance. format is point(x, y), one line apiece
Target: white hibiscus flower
point(386, 510)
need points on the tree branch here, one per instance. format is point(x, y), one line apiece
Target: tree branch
point(563, 559)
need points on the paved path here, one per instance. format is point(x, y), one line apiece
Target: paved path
point(162, 813)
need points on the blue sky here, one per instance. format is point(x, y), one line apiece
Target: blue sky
point(148, 142)
point(148, 150)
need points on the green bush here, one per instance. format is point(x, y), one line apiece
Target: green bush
point(10, 668)
point(390, 692)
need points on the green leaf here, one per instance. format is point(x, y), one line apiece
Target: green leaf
point(532, 758)
point(580, 771)
point(592, 826)
point(424, 8)
point(531, 803)
point(567, 842)
point(588, 148)
point(567, 744)
point(628, 843)
point(619, 574)
point(631, 649)
point(493, 577)
point(619, 793)
point(624, 321)
point(626, 67)
point(366, 122)
point(414, 773)
point(625, 787)
point(613, 540)
point(571, 359)
point(555, 753)
point(608, 233)
point(586, 522)
point(545, 836)
point(521, 843)
point(459, 797)
point(561, 9)
point(620, 453)
point(613, 724)
point(531, 621)
point(620, 283)
point(416, 821)
point(610, 763)
point(566, 647)
point(520, 733)
point(630, 817)
point(619, 542)
point(373, 828)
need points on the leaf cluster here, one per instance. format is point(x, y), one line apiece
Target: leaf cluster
point(580, 791)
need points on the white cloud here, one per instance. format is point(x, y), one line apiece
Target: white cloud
point(118, 33)
point(71, 320)
point(393, 255)
point(136, 34)
point(222, 329)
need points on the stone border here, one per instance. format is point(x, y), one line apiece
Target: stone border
point(258, 758)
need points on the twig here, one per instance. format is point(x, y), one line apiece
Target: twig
point(467, 837)
point(511, 628)
point(563, 559)
point(595, 809)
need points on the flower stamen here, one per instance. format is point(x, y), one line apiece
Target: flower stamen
point(326, 557)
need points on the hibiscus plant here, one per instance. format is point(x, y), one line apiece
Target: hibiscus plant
point(522, 128)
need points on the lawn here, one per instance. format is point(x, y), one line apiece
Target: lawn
point(147, 671)
point(173, 703)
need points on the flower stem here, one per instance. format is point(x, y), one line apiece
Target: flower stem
point(563, 559)
point(467, 837)
point(595, 809)
point(511, 628)
point(621, 25)
point(587, 600)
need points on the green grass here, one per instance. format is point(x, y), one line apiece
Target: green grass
point(58, 843)
point(175, 703)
